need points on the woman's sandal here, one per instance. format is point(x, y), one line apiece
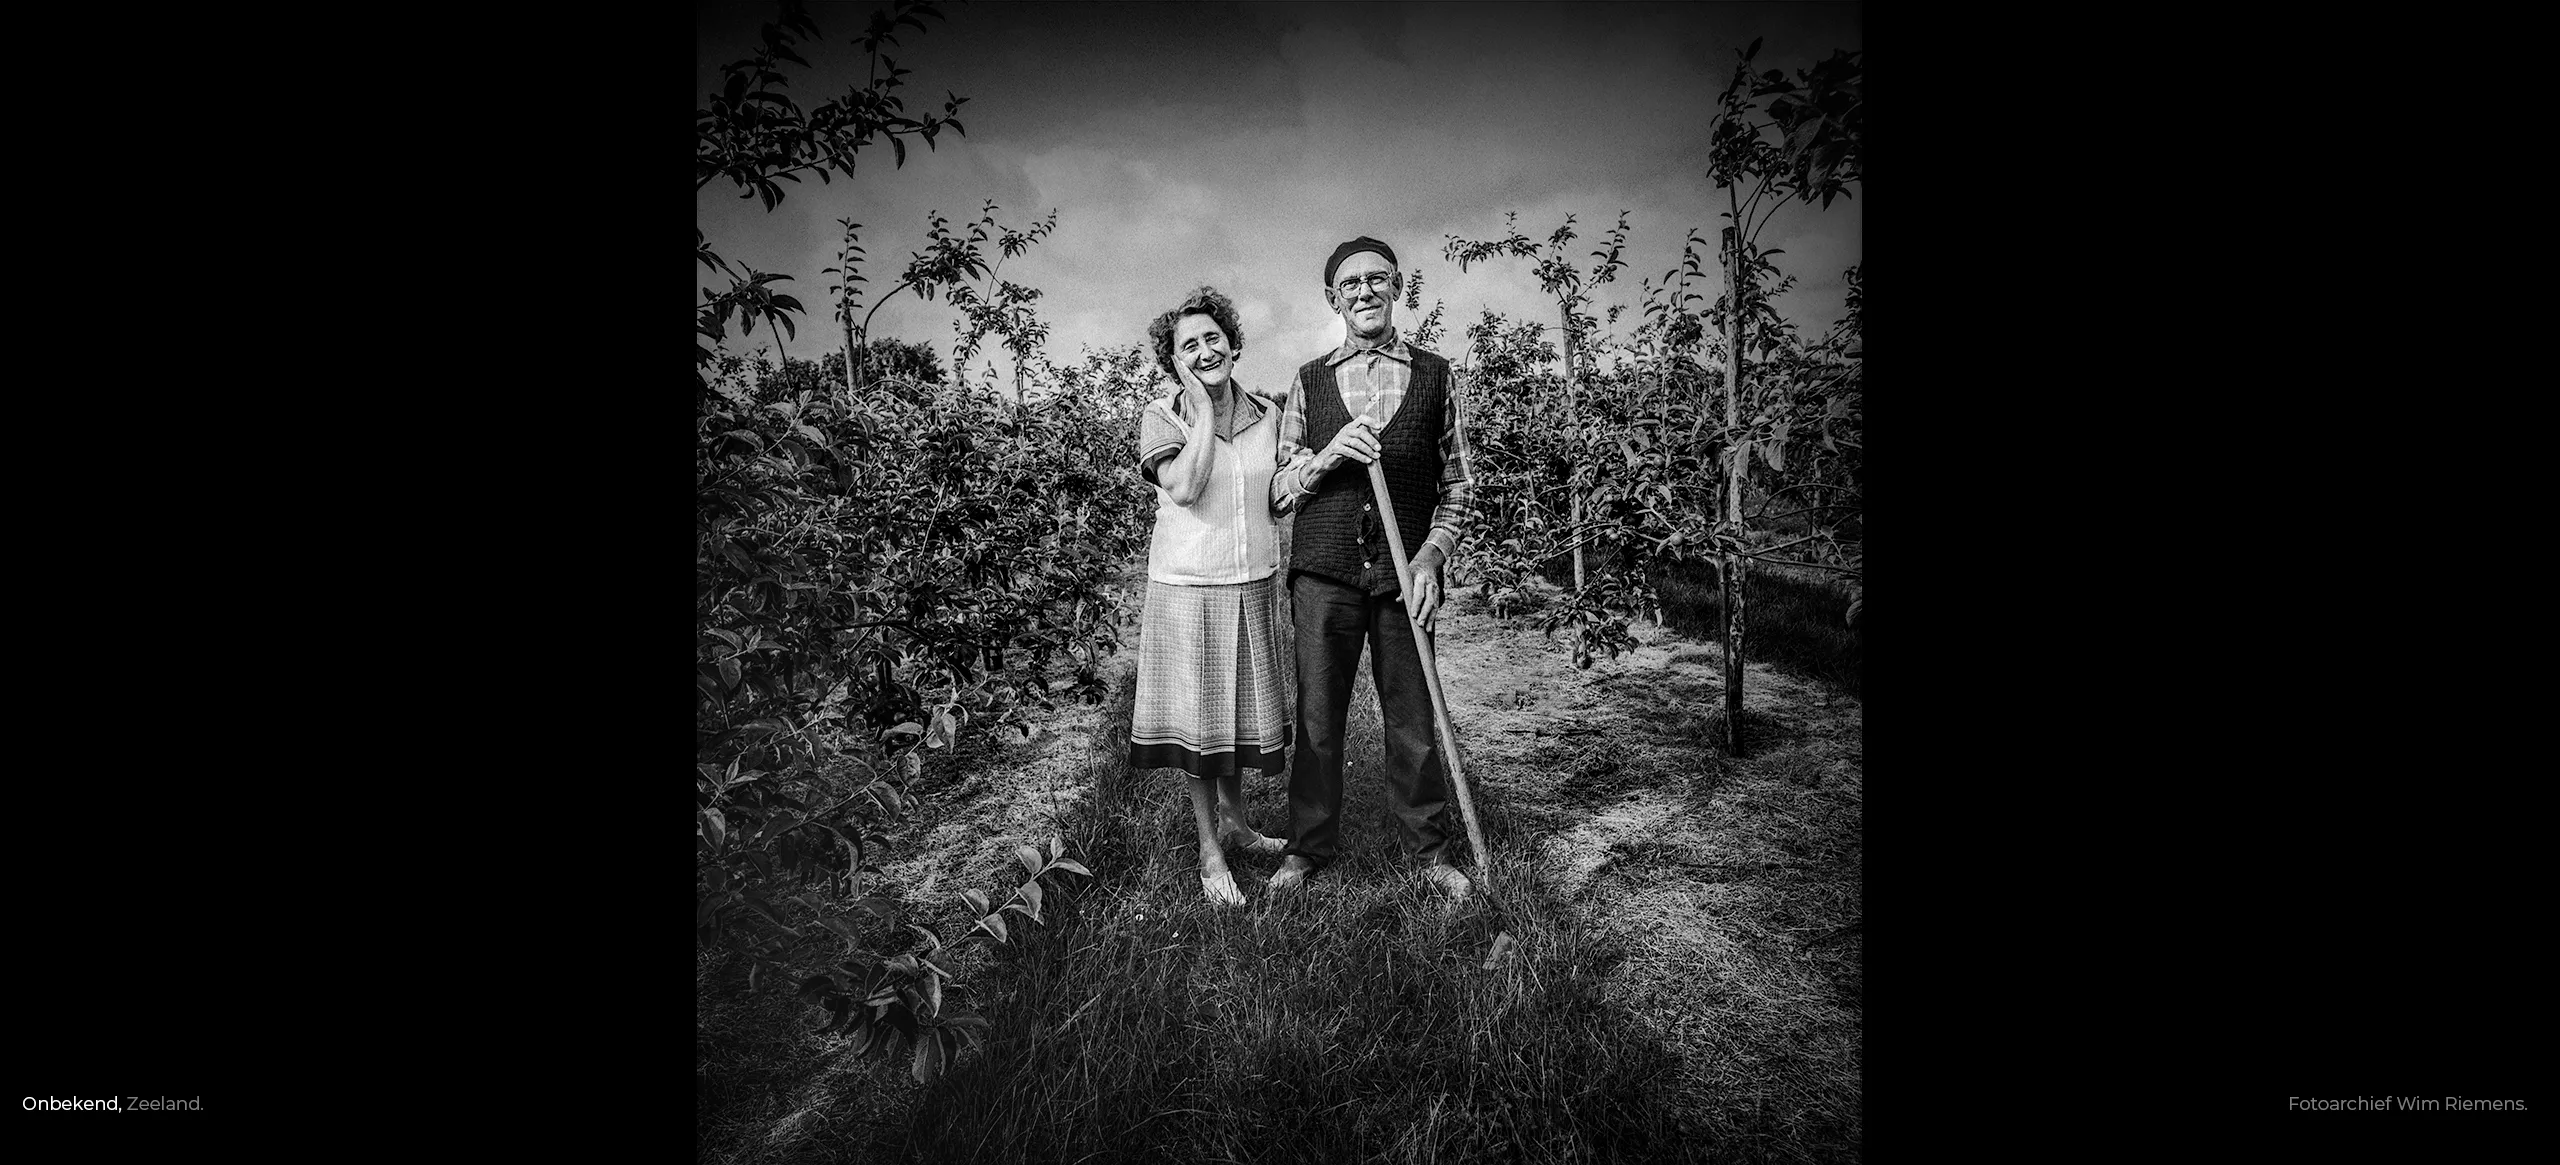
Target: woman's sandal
point(1220, 889)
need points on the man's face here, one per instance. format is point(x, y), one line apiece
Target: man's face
point(1369, 308)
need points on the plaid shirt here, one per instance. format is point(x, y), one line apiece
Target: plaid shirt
point(1372, 379)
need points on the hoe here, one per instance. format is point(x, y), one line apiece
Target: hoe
point(1439, 703)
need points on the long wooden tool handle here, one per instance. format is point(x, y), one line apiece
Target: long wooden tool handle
point(1430, 674)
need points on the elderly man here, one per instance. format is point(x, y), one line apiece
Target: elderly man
point(1375, 398)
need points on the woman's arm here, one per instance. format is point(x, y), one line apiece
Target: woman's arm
point(1186, 475)
point(1291, 480)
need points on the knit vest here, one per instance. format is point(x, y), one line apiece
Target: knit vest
point(1338, 534)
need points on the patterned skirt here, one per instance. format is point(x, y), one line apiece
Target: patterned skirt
point(1213, 680)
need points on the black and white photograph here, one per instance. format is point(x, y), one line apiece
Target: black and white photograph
point(1279, 582)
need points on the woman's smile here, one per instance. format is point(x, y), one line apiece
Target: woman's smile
point(1213, 367)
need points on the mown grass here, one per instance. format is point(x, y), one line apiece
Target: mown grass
point(1354, 1021)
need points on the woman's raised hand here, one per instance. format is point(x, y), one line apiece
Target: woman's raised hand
point(1195, 395)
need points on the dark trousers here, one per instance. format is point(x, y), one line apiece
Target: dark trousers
point(1333, 621)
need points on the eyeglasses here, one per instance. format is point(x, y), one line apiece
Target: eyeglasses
point(1374, 281)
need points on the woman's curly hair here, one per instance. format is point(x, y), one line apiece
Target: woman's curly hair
point(1204, 302)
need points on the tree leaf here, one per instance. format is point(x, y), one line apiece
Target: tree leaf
point(928, 1063)
point(851, 842)
point(1029, 856)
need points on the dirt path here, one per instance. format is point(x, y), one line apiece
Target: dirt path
point(985, 798)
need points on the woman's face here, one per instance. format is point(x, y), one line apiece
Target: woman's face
point(1200, 345)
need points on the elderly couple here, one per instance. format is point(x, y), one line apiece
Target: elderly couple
point(1226, 466)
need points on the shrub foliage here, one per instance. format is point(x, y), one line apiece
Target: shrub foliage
point(874, 573)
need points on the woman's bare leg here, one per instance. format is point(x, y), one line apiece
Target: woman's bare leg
point(1231, 823)
point(1216, 883)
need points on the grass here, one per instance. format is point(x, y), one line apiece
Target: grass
point(1697, 1002)
point(1352, 1022)
point(748, 1056)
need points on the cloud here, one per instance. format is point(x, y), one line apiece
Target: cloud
point(1235, 145)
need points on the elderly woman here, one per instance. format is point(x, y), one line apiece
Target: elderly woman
point(1210, 690)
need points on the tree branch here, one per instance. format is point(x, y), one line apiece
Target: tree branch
point(863, 333)
point(1774, 207)
point(1780, 546)
point(1772, 498)
point(1764, 510)
point(1854, 572)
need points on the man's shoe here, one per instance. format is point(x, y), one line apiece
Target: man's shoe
point(1293, 874)
point(1448, 881)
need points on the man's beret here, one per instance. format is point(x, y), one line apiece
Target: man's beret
point(1354, 247)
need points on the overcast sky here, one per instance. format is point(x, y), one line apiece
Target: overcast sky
point(1235, 144)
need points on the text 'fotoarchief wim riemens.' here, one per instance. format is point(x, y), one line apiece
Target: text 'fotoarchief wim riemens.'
point(2401, 1104)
